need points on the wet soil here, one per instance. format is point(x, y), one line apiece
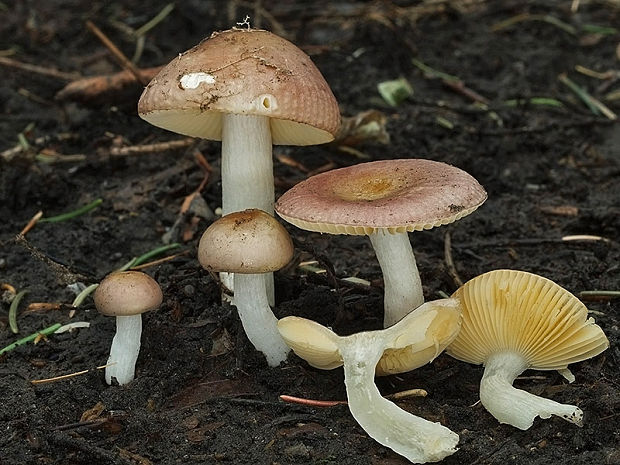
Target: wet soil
point(202, 394)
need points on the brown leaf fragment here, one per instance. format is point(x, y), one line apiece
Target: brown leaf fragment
point(93, 413)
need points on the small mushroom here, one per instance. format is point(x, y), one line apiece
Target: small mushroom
point(412, 342)
point(512, 321)
point(385, 200)
point(250, 243)
point(250, 89)
point(126, 295)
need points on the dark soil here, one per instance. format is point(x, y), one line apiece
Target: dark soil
point(202, 394)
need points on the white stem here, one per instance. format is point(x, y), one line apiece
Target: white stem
point(124, 350)
point(259, 322)
point(415, 438)
point(515, 406)
point(247, 172)
point(401, 279)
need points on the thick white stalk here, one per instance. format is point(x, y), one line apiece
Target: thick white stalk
point(415, 438)
point(247, 173)
point(259, 322)
point(401, 279)
point(124, 350)
point(515, 406)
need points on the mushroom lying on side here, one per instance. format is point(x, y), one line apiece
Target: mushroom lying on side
point(512, 321)
point(385, 200)
point(126, 295)
point(248, 244)
point(414, 341)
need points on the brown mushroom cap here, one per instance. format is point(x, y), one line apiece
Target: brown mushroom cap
point(250, 241)
point(243, 71)
point(127, 293)
point(393, 195)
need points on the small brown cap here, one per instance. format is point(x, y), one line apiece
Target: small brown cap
point(250, 241)
point(523, 312)
point(393, 195)
point(125, 293)
point(243, 71)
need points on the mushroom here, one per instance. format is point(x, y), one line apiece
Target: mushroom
point(126, 295)
point(247, 244)
point(250, 89)
point(412, 342)
point(512, 321)
point(385, 200)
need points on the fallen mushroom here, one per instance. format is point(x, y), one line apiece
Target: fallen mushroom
point(385, 200)
point(512, 321)
point(250, 243)
point(126, 295)
point(412, 342)
point(250, 89)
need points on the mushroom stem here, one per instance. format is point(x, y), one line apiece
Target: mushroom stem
point(247, 173)
point(259, 322)
point(415, 438)
point(515, 406)
point(403, 287)
point(124, 350)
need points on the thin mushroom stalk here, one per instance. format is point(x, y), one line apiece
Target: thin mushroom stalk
point(413, 437)
point(257, 318)
point(401, 279)
point(412, 342)
point(247, 172)
point(124, 350)
point(497, 392)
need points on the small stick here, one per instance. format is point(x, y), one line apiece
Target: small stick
point(150, 148)
point(39, 69)
point(407, 393)
point(447, 253)
point(70, 375)
point(161, 260)
point(120, 56)
point(599, 295)
point(32, 222)
point(312, 402)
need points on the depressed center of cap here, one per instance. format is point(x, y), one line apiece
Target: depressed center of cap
point(193, 80)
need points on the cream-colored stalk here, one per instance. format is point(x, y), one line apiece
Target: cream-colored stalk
point(401, 278)
point(415, 340)
point(247, 172)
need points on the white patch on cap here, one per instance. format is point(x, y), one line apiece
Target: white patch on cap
point(193, 80)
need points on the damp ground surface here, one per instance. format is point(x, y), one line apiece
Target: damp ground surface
point(549, 160)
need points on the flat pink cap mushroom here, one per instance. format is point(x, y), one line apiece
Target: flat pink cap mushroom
point(385, 200)
point(393, 195)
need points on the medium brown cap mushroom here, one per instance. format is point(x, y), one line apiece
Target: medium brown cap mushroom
point(250, 241)
point(393, 195)
point(126, 293)
point(243, 71)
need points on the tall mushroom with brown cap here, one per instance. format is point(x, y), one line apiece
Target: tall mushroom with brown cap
point(250, 243)
point(250, 89)
point(385, 200)
point(412, 342)
point(126, 295)
point(512, 321)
